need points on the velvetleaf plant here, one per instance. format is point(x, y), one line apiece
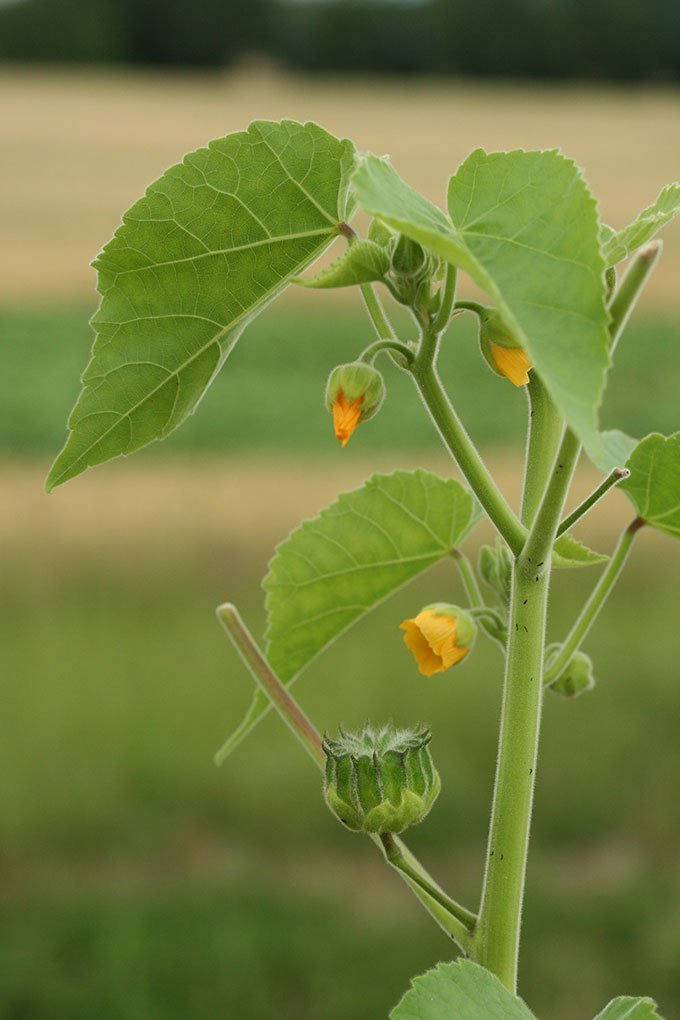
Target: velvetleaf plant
point(213, 242)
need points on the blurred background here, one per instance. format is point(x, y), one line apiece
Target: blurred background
point(139, 882)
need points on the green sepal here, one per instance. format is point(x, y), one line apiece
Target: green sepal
point(363, 262)
point(380, 780)
point(357, 379)
point(466, 628)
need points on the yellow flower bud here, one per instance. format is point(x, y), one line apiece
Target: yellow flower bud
point(354, 393)
point(501, 351)
point(439, 636)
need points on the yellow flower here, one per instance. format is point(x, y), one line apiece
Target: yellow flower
point(439, 636)
point(346, 416)
point(511, 362)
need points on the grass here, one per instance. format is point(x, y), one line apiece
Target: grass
point(269, 394)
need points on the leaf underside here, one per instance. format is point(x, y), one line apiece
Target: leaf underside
point(333, 569)
point(620, 245)
point(210, 244)
point(524, 226)
point(461, 990)
point(654, 483)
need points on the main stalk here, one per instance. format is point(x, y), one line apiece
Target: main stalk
point(496, 941)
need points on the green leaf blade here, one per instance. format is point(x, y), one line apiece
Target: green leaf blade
point(628, 1008)
point(618, 245)
point(461, 990)
point(524, 226)
point(653, 486)
point(363, 547)
point(210, 244)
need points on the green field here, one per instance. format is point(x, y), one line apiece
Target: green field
point(140, 882)
point(269, 395)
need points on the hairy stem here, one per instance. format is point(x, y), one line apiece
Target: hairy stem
point(462, 448)
point(543, 438)
point(613, 478)
point(594, 604)
point(393, 346)
point(448, 293)
point(455, 919)
point(630, 288)
point(496, 941)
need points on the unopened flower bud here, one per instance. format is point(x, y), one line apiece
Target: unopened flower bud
point(576, 679)
point(501, 350)
point(380, 780)
point(495, 566)
point(409, 258)
point(354, 393)
point(439, 636)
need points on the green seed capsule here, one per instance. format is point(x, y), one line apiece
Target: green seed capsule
point(380, 780)
point(576, 679)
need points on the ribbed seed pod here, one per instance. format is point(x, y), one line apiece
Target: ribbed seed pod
point(380, 780)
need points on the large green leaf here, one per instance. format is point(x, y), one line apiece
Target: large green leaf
point(459, 991)
point(619, 245)
point(627, 1008)
point(211, 243)
point(336, 567)
point(654, 483)
point(524, 226)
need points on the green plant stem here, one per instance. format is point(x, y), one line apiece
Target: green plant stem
point(496, 943)
point(460, 445)
point(394, 346)
point(496, 940)
point(455, 919)
point(469, 579)
point(543, 437)
point(630, 288)
point(443, 316)
point(376, 312)
point(613, 478)
point(394, 854)
point(594, 604)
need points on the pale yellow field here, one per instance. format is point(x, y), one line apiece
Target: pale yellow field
point(79, 148)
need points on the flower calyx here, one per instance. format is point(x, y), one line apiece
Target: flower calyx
point(354, 393)
point(380, 779)
point(440, 636)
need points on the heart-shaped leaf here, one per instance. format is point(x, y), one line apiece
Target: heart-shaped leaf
point(333, 569)
point(618, 245)
point(459, 991)
point(212, 242)
point(654, 483)
point(524, 226)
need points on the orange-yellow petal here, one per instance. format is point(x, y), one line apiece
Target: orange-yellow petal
point(432, 639)
point(346, 416)
point(511, 362)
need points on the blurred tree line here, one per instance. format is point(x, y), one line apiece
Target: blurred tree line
point(603, 39)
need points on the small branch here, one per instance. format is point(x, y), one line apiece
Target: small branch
point(376, 312)
point(459, 444)
point(594, 604)
point(267, 680)
point(395, 346)
point(630, 288)
point(469, 579)
point(616, 476)
point(394, 855)
point(469, 306)
point(536, 552)
point(417, 877)
point(443, 316)
point(544, 432)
